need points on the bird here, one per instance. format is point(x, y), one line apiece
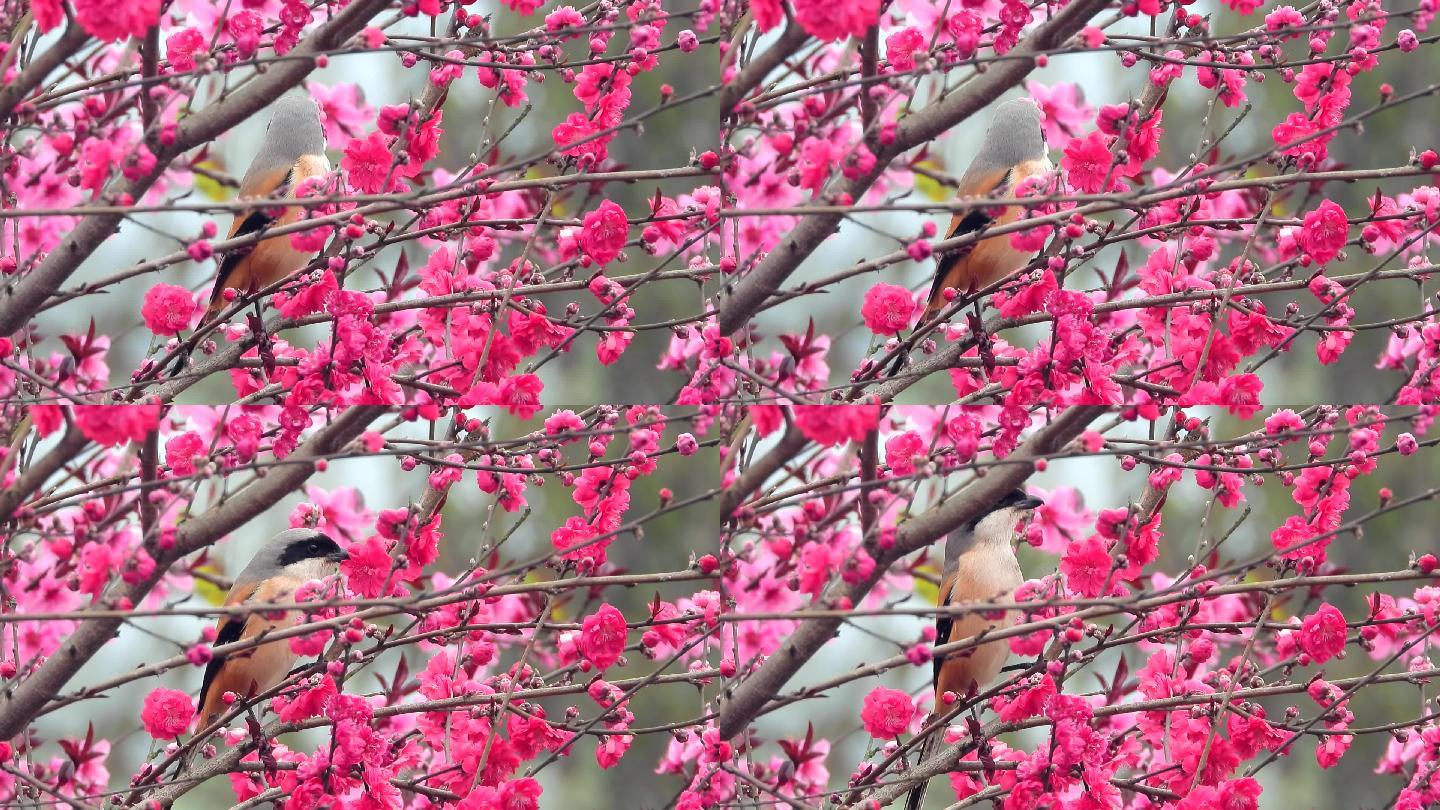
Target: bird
point(980, 566)
point(293, 151)
point(289, 560)
point(1014, 150)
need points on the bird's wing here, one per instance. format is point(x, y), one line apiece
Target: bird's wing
point(268, 184)
point(963, 222)
point(943, 624)
point(230, 630)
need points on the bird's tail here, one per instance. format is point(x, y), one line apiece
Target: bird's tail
point(917, 794)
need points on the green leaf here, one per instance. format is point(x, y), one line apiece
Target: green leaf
point(205, 589)
point(930, 188)
point(208, 186)
point(924, 588)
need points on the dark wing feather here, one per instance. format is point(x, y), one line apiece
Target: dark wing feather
point(229, 632)
point(257, 221)
point(973, 221)
point(943, 625)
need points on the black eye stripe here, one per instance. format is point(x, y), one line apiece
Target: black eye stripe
point(308, 548)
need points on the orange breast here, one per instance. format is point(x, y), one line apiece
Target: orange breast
point(980, 576)
point(275, 258)
point(254, 670)
point(994, 258)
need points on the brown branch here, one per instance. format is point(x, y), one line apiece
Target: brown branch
point(40, 67)
point(756, 473)
point(35, 476)
point(755, 72)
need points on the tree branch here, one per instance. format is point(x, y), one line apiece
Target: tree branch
point(40, 67)
point(755, 72)
point(756, 473)
point(36, 475)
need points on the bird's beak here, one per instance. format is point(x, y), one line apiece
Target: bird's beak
point(1030, 503)
point(340, 556)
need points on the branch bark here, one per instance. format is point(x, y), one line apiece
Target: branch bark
point(755, 72)
point(39, 472)
point(40, 67)
point(21, 702)
point(22, 300)
point(750, 480)
point(748, 699)
point(751, 292)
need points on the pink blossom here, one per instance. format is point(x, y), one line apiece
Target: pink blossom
point(520, 394)
point(114, 21)
point(888, 308)
point(902, 46)
point(603, 637)
point(605, 233)
point(1066, 112)
point(835, 424)
point(887, 712)
point(1030, 702)
point(1322, 634)
point(181, 47)
point(368, 567)
point(167, 713)
point(168, 309)
point(1406, 444)
point(1087, 162)
point(562, 18)
point(563, 421)
point(309, 703)
point(1325, 232)
point(573, 541)
point(1282, 421)
point(1240, 394)
point(901, 450)
point(47, 13)
point(112, 425)
point(368, 163)
point(343, 112)
point(1086, 566)
point(1283, 17)
point(181, 451)
point(831, 20)
point(1029, 298)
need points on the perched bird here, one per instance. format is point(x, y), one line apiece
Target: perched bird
point(294, 151)
point(980, 566)
point(291, 558)
point(1014, 149)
